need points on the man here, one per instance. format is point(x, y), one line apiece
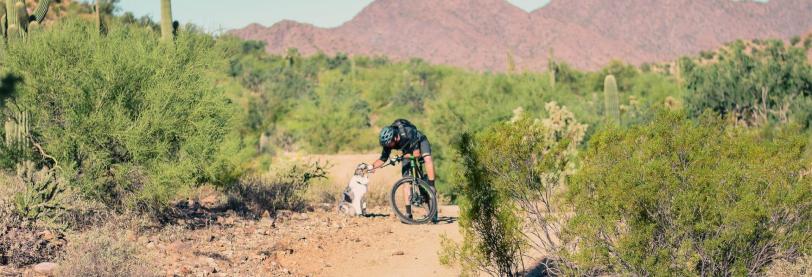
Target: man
point(403, 135)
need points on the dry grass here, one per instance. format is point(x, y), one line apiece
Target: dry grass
point(799, 267)
point(283, 190)
point(340, 172)
point(105, 251)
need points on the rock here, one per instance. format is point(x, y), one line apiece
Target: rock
point(398, 253)
point(47, 235)
point(46, 268)
point(209, 201)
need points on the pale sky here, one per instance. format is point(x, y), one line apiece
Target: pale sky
point(223, 15)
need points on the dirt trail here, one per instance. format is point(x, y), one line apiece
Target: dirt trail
point(317, 243)
point(377, 247)
point(381, 245)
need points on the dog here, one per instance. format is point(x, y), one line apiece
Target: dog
point(352, 201)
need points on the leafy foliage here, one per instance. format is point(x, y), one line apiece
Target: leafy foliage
point(755, 84)
point(681, 197)
point(123, 114)
point(514, 173)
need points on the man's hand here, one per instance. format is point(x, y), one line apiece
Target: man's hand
point(377, 164)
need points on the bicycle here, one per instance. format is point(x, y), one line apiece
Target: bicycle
point(420, 199)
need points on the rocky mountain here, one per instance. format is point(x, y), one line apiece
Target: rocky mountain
point(480, 34)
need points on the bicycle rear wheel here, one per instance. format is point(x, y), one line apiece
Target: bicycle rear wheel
point(420, 198)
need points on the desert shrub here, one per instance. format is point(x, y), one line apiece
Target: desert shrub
point(130, 120)
point(801, 266)
point(105, 251)
point(334, 120)
point(681, 197)
point(514, 173)
point(757, 87)
point(283, 190)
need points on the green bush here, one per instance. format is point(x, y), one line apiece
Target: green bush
point(335, 119)
point(686, 198)
point(756, 86)
point(129, 120)
point(513, 175)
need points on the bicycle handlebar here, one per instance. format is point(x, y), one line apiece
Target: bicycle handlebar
point(393, 161)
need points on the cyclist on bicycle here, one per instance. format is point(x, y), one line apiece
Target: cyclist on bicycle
point(403, 135)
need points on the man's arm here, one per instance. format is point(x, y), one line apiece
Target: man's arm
point(380, 162)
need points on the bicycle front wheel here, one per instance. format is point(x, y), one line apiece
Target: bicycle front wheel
point(413, 201)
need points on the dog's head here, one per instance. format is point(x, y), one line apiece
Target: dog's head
point(362, 169)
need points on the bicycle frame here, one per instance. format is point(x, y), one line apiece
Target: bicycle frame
point(416, 172)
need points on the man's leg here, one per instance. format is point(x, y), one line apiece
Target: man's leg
point(406, 171)
point(428, 162)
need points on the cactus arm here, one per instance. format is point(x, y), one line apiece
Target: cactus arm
point(166, 20)
point(610, 93)
point(13, 32)
point(3, 20)
point(42, 10)
point(11, 15)
point(22, 16)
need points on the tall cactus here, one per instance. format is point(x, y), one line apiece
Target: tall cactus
point(166, 20)
point(17, 128)
point(552, 67)
point(611, 102)
point(3, 20)
point(98, 16)
point(16, 21)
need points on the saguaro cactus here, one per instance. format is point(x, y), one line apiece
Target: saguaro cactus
point(16, 22)
point(166, 20)
point(17, 128)
point(611, 102)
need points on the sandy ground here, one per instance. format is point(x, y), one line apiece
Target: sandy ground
point(317, 243)
point(381, 245)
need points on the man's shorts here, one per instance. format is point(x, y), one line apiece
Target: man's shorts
point(425, 150)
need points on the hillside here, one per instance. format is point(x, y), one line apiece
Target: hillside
point(479, 34)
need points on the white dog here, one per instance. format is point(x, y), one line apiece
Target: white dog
point(352, 201)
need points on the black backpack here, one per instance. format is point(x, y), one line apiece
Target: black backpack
point(401, 124)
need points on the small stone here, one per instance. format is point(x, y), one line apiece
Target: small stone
point(45, 268)
point(47, 235)
point(209, 201)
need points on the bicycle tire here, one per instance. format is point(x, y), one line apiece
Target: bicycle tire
point(421, 184)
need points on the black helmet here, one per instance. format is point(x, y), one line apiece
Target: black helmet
point(387, 135)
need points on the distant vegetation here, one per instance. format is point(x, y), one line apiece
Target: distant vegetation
point(697, 167)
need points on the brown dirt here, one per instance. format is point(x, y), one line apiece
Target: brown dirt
point(320, 242)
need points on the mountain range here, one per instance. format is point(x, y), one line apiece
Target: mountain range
point(587, 34)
